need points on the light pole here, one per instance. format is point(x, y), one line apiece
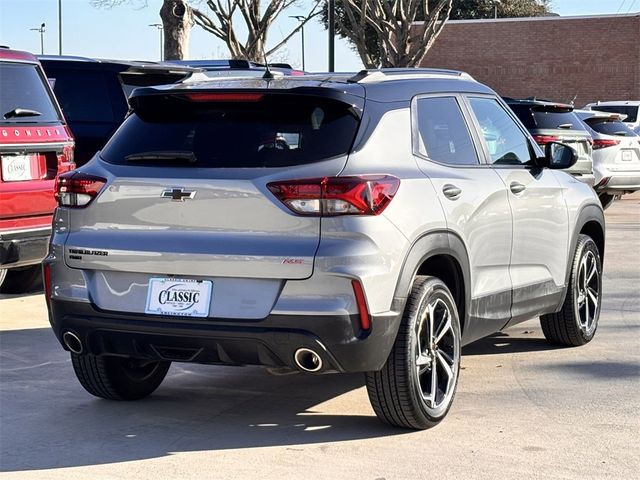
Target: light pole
point(495, 8)
point(332, 35)
point(40, 29)
point(59, 27)
point(161, 29)
point(302, 20)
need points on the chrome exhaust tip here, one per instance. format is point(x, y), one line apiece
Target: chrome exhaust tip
point(307, 360)
point(72, 342)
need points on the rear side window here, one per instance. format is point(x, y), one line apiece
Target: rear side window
point(83, 95)
point(274, 131)
point(609, 127)
point(23, 88)
point(443, 135)
point(630, 111)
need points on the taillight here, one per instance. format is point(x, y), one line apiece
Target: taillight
point(224, 97)
point(332, 196)
point(544, 139)
point(602, 143)
point(46, 279)
point(77, 189)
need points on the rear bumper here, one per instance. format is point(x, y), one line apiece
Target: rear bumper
point(621, 182)
point(587, 178)
point(270, 342)
point(23, 248)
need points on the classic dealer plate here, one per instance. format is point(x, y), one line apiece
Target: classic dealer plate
point(179, 296)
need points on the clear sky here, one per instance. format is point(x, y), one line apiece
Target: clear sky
point(123, 32)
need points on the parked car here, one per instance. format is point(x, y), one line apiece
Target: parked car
point(234, 68)
point(35, 147)
point(272, 222)
point(616, 154)
point(630, 108)
point(556, 122)
point(93, 94)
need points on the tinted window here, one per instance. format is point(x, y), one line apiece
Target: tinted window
point(609, 127)
point(21, 86)
point(507, 144)
point(83, 95)
point(278, 130)
point(542, 117)
point(443, 133)
point(630, 111)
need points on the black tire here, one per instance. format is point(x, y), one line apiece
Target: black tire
point(606, 200)
point(21, 280)
point(396, 392)
point(117, 378)
point(571, 326)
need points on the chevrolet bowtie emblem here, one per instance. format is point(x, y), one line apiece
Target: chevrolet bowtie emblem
point(178, 194)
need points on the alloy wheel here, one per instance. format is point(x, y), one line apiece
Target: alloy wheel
point(588, 293)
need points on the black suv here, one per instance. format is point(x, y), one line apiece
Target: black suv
point(93, 94)
point(556, 122)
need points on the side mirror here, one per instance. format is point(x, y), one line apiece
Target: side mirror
point(558, 156)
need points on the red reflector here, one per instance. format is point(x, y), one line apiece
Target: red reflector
point(332, 196)
point(361, 301)
point(46, 278)
point(544, 139)
point(224, 97)
point(602, 143)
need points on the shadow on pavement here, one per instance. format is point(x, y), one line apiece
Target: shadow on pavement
point(500, 343)
point(49, 421)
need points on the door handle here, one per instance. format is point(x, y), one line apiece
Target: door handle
point(451, 191)
point(516, 187)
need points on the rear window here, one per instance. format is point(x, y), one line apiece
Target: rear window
point(630, 111)
point(22, 88)
point(278, 130)
point(610, 127)
point(534, 117)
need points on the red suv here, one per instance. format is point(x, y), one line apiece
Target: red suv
point(35, 147)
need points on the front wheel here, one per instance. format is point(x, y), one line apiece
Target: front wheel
point(117, 378)
point(576, 322)
point(417, 384)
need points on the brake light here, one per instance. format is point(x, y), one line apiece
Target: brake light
point(544, 139)
point(77, 189)
point(46, 277)
point(361, 301)
point(333, 196)
point(602, 143)
point(224, 97)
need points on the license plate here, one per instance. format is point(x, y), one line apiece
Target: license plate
point(16, 168)
point(179, 296)
point(627, 156)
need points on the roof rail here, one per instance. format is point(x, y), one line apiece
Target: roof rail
point(386, 74)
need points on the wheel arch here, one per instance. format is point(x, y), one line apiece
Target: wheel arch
point(441, 254)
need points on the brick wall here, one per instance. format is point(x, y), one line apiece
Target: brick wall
point(557, 58)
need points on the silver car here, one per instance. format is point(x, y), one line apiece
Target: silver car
point(616, 154)
point(366, 223)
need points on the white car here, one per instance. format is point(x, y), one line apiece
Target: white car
point(630, 108)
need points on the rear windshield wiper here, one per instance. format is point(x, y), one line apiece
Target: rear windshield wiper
point(163, 156)
point(21, 112)
point(565, 125)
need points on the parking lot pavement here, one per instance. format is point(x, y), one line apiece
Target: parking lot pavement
point(524, 409)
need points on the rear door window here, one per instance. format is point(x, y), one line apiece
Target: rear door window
point(443, 135)
point(23, 87)
point(273, 131)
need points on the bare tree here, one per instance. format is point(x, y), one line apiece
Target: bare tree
point(401, 42)
point(177, 21)
point(224, 13)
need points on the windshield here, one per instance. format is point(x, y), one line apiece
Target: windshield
point(24, 96)
point(275, 131)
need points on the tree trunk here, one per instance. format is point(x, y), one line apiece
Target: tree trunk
point(177, 21)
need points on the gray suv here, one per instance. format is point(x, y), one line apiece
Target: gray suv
point(324, 223)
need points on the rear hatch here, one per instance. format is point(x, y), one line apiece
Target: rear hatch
point(550, 122)
point(34, 147)
point(617, 141)
point(186, 196)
